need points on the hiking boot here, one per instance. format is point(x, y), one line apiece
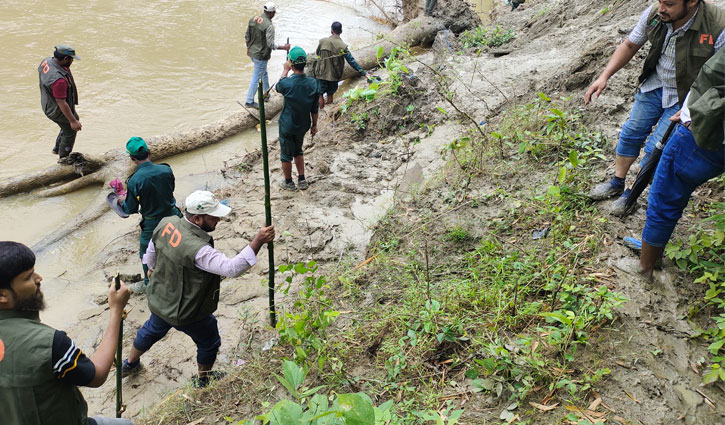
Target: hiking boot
point(619, 207)
point(207, 379)
point(130, 368)
point(253, 105)
point(55, 151)
point(288, 186)
point(302, 184)
point(605, 190)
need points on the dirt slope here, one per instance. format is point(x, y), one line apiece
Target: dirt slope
point(560, 46)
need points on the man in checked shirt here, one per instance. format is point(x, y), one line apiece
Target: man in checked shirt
point(184, 289)
point(683, 34)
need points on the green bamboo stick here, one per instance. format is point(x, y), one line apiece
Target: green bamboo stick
point(267, 203)
point(119, 354)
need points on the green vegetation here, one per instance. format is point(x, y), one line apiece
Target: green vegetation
point(486, 37)
point(703, 255)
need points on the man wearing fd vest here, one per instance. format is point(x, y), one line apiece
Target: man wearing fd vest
point(332, 53)
point(683, 35)
point(59, 97)
point(259, 38)
point(40, 367)
point(184, 289)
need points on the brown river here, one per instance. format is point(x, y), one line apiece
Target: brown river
point(146, 68)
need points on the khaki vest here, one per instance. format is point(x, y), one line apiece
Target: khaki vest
point(330, 63)
point(179, 292)
point(257, 46)
point(48, 73)
point(30, 394)
point(692, 50)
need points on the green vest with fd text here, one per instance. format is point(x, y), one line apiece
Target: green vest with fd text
point(30, 393)
point(692, 50)
point(179, 292)
point(331, 60)
point(48, 73)
point(257, 45)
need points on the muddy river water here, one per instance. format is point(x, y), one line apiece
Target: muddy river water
point(146, 68)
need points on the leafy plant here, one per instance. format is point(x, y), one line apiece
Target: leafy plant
point(483, 36)
point(704, 256)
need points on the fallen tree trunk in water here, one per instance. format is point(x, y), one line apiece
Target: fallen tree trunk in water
point(116, 163)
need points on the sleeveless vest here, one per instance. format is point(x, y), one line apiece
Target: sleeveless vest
point(48, 73)
point(30, 394)
point(330, 63)
point(258, 48)
point(179, 292)
point(692, 50)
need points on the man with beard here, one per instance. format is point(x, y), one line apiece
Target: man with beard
point(684, 34)
point(59, 96)
point(185, 273)
point(40, 367)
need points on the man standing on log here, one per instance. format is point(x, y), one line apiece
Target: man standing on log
point(184, 289)
point(301, 102)
point(59, 97)
point(40, 367)
point(259, 38)
point(332, 53)
point(683, 34)
point(150, 190)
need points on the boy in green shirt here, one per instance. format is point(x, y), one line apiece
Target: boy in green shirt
point(299, 115)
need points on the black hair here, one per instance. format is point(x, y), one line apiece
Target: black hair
point(15, 258)
point(299, 66)
point(59, 56)
point(141, 156)
point(337, 27)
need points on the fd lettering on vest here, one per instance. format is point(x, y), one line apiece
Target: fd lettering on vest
point(175, 238)
point(706, 38)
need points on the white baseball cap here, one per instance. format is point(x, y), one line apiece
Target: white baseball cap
point(270, 7)
point(204, 202)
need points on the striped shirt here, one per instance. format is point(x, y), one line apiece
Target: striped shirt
point(665, 75)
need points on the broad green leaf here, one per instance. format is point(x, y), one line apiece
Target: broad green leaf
point(574, 158)
point(357, 409)
point(286, 412)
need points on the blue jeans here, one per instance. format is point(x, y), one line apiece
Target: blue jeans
point(683, 167)
point(204, 333)
point(260, 71)
point(646, 113)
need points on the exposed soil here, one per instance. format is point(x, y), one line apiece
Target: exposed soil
point(357, 174)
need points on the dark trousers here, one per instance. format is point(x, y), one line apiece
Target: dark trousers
point(65, 140)
point(429, 5)
point(204, 333)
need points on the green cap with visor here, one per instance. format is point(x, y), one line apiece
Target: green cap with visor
point(136, 146)
point(297, 55)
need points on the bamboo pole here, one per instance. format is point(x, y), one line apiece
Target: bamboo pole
point(119, 361)
point(267, 203)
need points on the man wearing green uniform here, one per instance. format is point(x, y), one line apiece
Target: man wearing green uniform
point(259, 39)
point(150, 190)
point(59, 97)
point(332, 53)
point(298, 115)
point(184, 289)
point(41, 368)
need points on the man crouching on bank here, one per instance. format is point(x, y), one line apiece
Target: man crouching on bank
point(183, 292)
